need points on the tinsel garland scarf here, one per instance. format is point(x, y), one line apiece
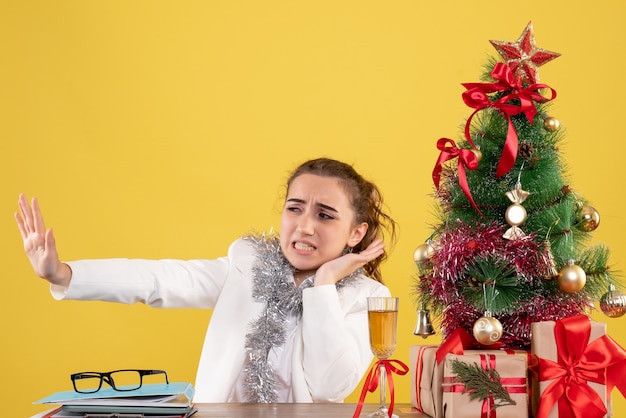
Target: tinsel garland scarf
point(273, 284)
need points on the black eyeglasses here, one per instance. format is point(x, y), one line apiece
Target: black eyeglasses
point(120, 380)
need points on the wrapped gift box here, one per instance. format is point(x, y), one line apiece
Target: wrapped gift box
point(427, 376)
point(513, 372)
point(544, 345)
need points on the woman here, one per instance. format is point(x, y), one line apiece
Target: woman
point(289, 320)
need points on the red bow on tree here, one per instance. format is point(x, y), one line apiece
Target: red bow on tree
point(476, 97)
point(466, 157)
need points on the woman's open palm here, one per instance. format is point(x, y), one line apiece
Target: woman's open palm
point(39, 243)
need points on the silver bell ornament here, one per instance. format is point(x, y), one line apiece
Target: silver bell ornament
point(613, 303)
point(424, 327)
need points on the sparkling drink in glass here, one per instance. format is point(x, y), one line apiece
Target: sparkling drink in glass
point(382, 325)
point(382, 313)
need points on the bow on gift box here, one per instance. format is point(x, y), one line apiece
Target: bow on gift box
point(459, 341)
point(602, 361)
point(466, 157)
point(476, 97)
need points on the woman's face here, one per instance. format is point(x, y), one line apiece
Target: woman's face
point(317, 223)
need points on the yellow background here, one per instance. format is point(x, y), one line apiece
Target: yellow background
point(167, 129)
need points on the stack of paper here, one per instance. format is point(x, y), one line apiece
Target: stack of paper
point(171, 400)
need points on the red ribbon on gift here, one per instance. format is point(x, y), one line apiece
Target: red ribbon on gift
point(510, 384)
point(476, 97)
point(459, 341)
point(373, 377)
point(602, 361)
point(466, 158)
point(419, 368)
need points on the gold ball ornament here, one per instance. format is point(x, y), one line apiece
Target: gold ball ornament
point(613, 303)
point(588, 219)
point(551, 123)
point(487, 330)
point(422, 253)
point(571, 278)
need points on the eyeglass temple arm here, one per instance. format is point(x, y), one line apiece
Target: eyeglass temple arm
point(149, 372)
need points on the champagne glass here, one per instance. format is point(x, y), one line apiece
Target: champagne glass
point(382, 315)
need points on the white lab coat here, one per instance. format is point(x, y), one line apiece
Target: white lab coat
point(331, 350)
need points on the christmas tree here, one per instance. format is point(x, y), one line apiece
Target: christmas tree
point(511, 242)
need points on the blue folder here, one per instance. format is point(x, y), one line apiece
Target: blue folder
point(175, 394)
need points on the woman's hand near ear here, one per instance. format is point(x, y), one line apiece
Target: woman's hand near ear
point(333, 271)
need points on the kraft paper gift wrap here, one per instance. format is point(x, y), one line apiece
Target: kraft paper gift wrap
point(513, 371)
point(543, 344)
point(427, 376)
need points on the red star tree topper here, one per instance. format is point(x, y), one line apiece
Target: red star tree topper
point(523, 56)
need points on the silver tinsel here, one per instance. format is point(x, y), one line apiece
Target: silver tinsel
point(272, 284)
